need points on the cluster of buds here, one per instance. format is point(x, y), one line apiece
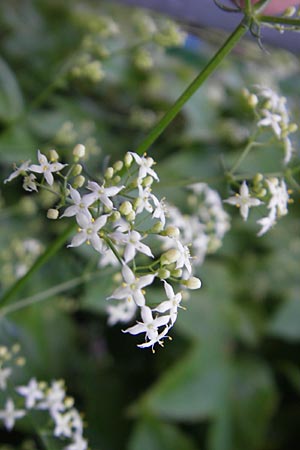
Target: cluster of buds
point(123, 221)
point(22, 401)
point(272, 113)
point(271, 193)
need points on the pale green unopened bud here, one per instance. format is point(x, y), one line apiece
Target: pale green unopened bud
point(157, 228)
point(125, 208)
point(170, 256)
point(258, 178)
point(192, 283)
point(54, 156)
point(109, 173)
point(163, 274)
point(131, 216)
point(117, 179)
point(128, 158)
point(115, 216)
point(78, 181)
point(118, 165)
point(290, 11)
point(171, 231)
point(137, 202)
point(292, 128)
point(79, 151)
point(245, 92)
point(77, 169)
point(262, 193)
point(147, 181)
point(252, 100)
point(52, 214)
point(177, 273)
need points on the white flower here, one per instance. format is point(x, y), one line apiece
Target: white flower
point(160, 210)
point(10, 414)
point(243, 200)
point(80, 205)
point(63, 424)
point(132, 244)
point(54, 398)
point(31, 392)
point(149, 326)
point(172, 304)
point(143, 200)
point(279, 196)
point(88, 231)
point(288, 150)
point(123, 312)
point(184, 257)
point(29, 183)
point(46, 168)
point(101, 193)
point(271, 120)
point(4, 375)
point(133, 286)
point(78, 444)
point(267, 222)
point(19, 171)
point(145, 163)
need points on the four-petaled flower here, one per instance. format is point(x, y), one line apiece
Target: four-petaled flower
point(46, 168)
point(132, 241)
point(102, 193)
point(10, 414)
point(18, 171)
point(172, 304)
point(31, 392)
point(80, 205)
point(145, 163)
point(133, 286)
point(243, 200)
point(88, 231)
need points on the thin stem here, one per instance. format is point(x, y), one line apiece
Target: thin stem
point(244, 154)
point(279, 20)
point(194, 86)
point(41, 260)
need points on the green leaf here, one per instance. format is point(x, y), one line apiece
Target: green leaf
point(11, 101)
point(151, 434)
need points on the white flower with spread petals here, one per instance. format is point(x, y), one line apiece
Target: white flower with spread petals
point(31, 392)
point(272, 120)
point(279, 196)
point(46, 168)
point(243, 200)
point(143, 200)
point(172, 304)
point(24, 167)
point(123, 312)
point(102, 193)
point(63, 424)
point(160, 210)
point(88, 232)
point(149, 326)
point(80, 205)
point(10, 414)
point(267, 222)
point(4, 375)
point(145, 163)
point(29, 183)
point(184, 257)
point(132, 242)
point(54, 398)
point(78, 444)
point(133, 286)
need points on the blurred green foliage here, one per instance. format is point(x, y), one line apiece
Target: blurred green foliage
point(230, 379)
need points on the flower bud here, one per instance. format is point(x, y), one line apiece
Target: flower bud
point(125, 208)
point(163, 273)
point(170, 256)
point(115, 216)
point(177, 273)
point(128, 159)
point(252, 100)
point(257, 178)
point(118, 166)
point(147, 181)
point(157, 228)
point(52, 214)
point(109, 173)
point(193, 283)
point(292, 128)
point(78, 181)
point(171, 231)
point(54, 156)
point(290, 11)
point(77, 169)
point(117, 179)
point(131, 216)
point(79, 151)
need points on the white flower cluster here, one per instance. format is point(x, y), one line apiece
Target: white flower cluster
point(272, 113)
point(39, 396)
point(124, 221)
point(271, 192)
point(204, 228)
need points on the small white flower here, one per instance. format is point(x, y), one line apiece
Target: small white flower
point(31, 392)
point(80, 205)
point(145, 163)
point(184, 257)
point(160, 210)
point(143, 200)
point(63, 424)
point(132, 242)
point(4, 375)
point(133, 286)
point(102, 193)
point(279, 196)
point(78, 444)
point(54, 398)
point(10, 414)
point(172, 304)
point(123, 312)
point(267, 222)
point(272, 120)
point(88, 231)
point(29, 183)
point(18, 171)
point(149, 326)
point(46, 168)
point(243, 200)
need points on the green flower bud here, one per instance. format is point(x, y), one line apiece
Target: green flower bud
point(125, 208)
point(54, 156)
point(163, 273)
point(192, 283)
point(52, 214)
point(118, 166)
point(128, 159)
point(77, 169)
point(169, 257)
point(109, 173)
point(157, 228)
point(177, 273)
point(131, 216)
point(78, 181)
point(79, 151)
point(171, 231)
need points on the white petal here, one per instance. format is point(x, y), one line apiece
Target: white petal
point(78, 239)
point(128, 275)
point(48, 177)
point(146, 314)
point(42, 159)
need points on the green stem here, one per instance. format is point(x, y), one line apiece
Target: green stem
point(244, 154)
point(194, 86)
point(41, 260)
point(279, 20)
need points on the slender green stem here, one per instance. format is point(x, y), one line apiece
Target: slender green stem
point(41, 260)
point(279, 20)
point(194, 86)
point(244, 154)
